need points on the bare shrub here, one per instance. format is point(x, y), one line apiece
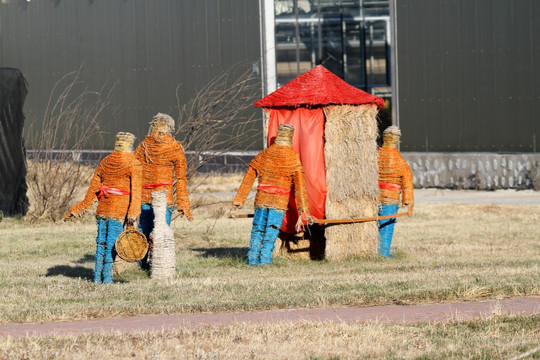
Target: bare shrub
point(220, 117)
point(68, 126)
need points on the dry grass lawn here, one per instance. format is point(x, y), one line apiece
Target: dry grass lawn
point(445, 253)
point(498, 337)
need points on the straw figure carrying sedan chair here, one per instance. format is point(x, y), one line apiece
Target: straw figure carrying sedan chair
point(336, 137)
point(116, 185)
point(395, 182)
point(280, 173)
point(163, 162)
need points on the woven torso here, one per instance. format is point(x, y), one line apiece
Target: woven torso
point(162, 158)
point(116, 185)
point(279, 167)
point(117, 171)
point(393, 169)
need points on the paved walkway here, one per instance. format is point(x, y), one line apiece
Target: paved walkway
point(394, 313)
point(499, 197)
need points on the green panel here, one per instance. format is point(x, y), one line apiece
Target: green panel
point(468, 78)
point(141, 49)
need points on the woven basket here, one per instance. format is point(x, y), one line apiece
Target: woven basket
point(131, 245)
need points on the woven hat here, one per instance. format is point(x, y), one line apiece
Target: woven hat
point(131, 245)
point(124, 141)
point(163, 119)
point(392, 130)
point(284, 135)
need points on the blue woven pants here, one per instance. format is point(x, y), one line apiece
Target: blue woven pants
point(146, 224)
point(108, 231)
point(386, 228)
point(264, 232)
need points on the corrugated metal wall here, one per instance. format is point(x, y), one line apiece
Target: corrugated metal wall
point(468, 75)
point(142, 49)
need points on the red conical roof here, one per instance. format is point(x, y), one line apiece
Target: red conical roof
point(318, 86)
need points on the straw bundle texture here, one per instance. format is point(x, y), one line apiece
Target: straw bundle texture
point(351, 178)
point(163, 255)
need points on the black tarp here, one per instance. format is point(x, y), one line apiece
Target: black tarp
point(13, 90)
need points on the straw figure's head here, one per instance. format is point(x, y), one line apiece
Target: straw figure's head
point(124, 142)
point(391, 136)
point(162, 124)
point(284, 135)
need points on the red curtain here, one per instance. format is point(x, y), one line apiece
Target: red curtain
point(308, 142)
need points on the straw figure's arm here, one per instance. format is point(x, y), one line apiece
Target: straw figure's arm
point(300, 192)
point(182, 200)
point(245, 187)
point(90, 198)
point(247, 183)
point(134, 209)
point(407, 187)
point(140, 152)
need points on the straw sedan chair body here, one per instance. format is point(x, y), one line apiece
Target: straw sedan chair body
point(336, 138)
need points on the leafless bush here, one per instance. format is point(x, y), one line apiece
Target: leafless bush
point(69, 124)
point(220, 117)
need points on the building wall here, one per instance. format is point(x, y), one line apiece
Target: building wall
point(474, 171)
point(467, 75)
point(141, 51)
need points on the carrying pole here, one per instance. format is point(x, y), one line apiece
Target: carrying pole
point(334, 221)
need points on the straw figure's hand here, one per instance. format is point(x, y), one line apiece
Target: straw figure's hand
point(410, 208)
point(237, 205)
point(186, 212)
point(310, 220)
point(130, 223)
point(68, 216)
point(188, 215)
point(74, 213)
point(234, 207)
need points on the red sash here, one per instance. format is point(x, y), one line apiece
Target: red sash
point(273, 189)
point(153, 186)
point(389, 186)
point(106, 191)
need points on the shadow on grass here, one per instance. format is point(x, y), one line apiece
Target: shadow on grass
point(87, 258)
point(71, 271)
point(223, 252)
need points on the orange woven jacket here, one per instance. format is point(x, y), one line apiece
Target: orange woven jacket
point(393, 169)
point(162, 159)
point(118, 172)
point(280, 171)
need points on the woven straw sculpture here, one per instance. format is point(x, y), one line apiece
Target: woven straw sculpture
point(277, 168)
point(395, 176)
point(164, 163)
point(163, 255)
point(351, 176)
point(279, 172)
point(116, 185)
